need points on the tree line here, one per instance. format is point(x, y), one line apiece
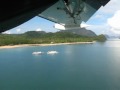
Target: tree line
point(33, 37)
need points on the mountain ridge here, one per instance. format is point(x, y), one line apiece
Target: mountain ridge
point(81, 31)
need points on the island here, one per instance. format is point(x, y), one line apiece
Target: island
point(50, 38)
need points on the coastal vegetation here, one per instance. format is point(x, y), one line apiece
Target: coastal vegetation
point(41, 37)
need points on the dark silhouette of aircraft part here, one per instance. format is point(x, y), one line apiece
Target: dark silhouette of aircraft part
point(69, 13)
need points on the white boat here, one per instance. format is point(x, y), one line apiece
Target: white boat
point(52, 52)
point(37, 53)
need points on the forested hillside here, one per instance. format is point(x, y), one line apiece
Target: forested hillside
point(41, 37)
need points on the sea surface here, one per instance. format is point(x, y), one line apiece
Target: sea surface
point(76, 67)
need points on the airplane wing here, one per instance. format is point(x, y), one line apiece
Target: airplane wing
point(70, 13)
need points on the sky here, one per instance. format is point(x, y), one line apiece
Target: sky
point(105, 21)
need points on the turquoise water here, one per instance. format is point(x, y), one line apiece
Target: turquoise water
point(76, 67)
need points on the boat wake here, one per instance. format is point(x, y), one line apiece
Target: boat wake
point(49, 52)
point(37, 53)
point(52, 52)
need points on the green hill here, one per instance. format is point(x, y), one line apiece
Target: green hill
point(81, 31)
point(41, 37)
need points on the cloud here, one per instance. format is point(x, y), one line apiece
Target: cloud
point(111, 7)
point(6, 32)
point(99, 29)
point(18, 30)
point(114, 31)
point(114, 22)
point(59, 26)
point(38, 29)
point(107, 19)
point(84, 25)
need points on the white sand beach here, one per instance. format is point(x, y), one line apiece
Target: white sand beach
point(24, 45)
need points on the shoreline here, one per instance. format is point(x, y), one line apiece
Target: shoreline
point(24, 45)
